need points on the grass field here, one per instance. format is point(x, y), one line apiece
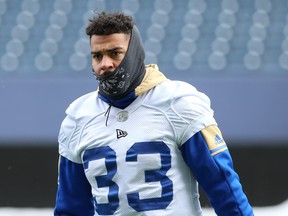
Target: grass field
point(279, 210)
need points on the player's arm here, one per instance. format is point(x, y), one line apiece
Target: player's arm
point(74, 191)
point(207, 155)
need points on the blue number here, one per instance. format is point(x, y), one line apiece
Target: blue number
point(157, 175)
point(105, 180)
point(152, 176)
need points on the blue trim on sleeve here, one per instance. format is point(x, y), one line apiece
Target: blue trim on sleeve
point(74, 191)
point(217, 177)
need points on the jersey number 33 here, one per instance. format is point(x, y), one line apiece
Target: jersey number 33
point(155, 175)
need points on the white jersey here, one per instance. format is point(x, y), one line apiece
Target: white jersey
point(133, 163)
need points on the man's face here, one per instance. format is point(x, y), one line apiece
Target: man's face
point(108, 51)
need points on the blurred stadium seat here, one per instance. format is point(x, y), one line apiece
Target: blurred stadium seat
point(196, 36)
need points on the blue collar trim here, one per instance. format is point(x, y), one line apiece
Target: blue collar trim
point(121, 103)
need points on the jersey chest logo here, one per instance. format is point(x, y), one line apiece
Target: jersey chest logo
point(121, 133)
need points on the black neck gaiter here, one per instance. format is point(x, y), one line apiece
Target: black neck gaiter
point(129, 74)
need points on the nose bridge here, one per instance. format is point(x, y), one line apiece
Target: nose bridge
point(106, 61)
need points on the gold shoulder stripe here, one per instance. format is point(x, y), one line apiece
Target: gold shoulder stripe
point(214, 140)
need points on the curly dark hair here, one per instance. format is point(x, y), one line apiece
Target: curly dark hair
point(104, 23)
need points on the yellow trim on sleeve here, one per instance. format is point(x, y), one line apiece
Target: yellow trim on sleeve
point(219, 151)
point(214, 139)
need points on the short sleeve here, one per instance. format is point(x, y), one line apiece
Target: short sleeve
point(68, 139)
point(193, 112)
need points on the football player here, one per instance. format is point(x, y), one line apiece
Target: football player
point(141, 143)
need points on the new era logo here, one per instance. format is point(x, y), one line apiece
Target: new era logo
point(121, 133)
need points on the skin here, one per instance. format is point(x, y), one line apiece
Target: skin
point(108, 51)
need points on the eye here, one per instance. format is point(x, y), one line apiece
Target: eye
point(115, 53)
point(97, 56)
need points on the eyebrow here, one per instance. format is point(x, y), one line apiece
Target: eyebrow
point(108, 50)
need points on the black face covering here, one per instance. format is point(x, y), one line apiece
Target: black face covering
point(129, 74)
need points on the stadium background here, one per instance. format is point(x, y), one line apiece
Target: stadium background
point(234, 51)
